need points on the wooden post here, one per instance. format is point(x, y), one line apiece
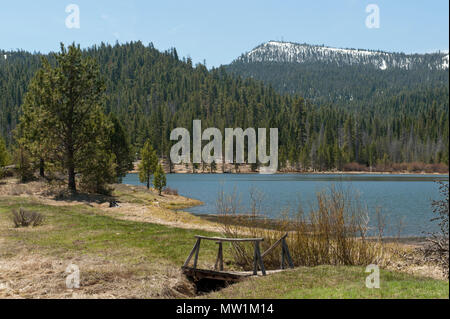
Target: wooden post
point(197, 243)
point(282, 257)
point(255, 259)
point(261, 264)
point(196, 253)
point(219, 261)
point(288, 255)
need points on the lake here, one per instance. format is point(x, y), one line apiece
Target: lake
point(403, 198)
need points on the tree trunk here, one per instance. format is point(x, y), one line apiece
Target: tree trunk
point(71, 170)
point(42, 168)
point(148, 182)
point(71, 161)
point(72, 184)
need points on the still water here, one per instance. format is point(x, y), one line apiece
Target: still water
point(403, 199)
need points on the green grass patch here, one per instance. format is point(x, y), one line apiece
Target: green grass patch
point(79, 229)
point(342, 282)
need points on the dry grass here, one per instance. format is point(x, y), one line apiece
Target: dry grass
point(29, 274)
point(33, 260)
point(334, 233)
point(409, 259)
point(170, 191)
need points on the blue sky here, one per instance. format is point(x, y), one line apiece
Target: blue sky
point(219, 31)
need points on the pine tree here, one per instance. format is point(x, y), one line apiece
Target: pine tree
point(24, 167)
point(119, 145)
point(148, 164)
point(160, 179)
point(4, 156)
point(32, 135)
point(67, 101)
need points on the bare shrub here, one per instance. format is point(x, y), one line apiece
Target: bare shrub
point(355, 167)
point(333, 233)
point(416, 167)
point(437, 247)
point(170, 191)
point(436, 168)
point(24, 218)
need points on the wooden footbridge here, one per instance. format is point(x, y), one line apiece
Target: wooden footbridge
point(232, 276)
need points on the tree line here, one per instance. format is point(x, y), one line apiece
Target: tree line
point(130, 94)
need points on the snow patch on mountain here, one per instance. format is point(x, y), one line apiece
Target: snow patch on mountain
point(445, 61)
point(275, 51)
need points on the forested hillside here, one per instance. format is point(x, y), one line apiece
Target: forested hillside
point(347, 77)
point(352, 85)
point(152, 92)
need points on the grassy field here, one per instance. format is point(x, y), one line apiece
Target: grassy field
point(121, 258)
point(80, 229)
point(334, 282)
point(118, 258)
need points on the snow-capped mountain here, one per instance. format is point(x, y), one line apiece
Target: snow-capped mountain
point(275, 51)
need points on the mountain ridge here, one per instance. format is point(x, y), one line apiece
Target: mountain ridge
point(291, 52)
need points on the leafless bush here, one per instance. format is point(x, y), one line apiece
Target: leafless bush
point(355, 167)
point(436, 168)
point(333, 233)
point(412, 167)
point(24, 218)
point(170, 191)
point(437, 247)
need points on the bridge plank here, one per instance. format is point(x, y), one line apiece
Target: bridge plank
point(229, 239)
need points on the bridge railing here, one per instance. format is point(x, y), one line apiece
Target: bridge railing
point(257, 256)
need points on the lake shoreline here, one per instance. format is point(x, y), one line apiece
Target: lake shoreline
point(246, 169)
point(308, 173)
